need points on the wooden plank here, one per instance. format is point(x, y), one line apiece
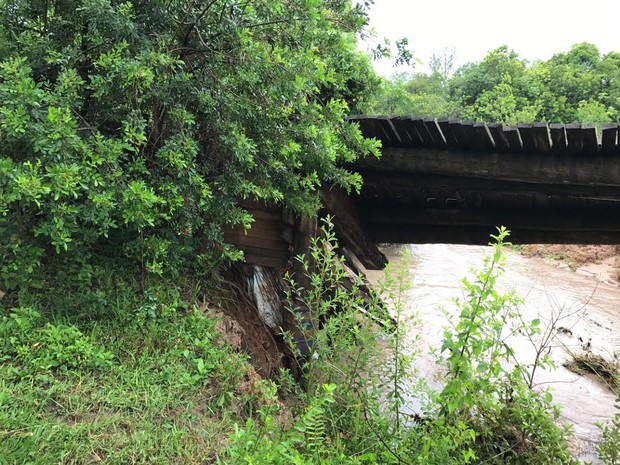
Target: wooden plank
point(590, 140)
point(609, 142)
point(288, 216)
point(260, 205)
point(521, 217)
point(403, 135)
point(413, 131)
point(407, 133)
point(575, 139)
point(374, 129)
point(367, 127)
point(527, 137)
point(457, 129)
point(306, 230)
point(471, 137)
point(447, 130)
point(479, 235)
point(255, 231)
point(267, 215)
point(513, 195)
point(533, 168)
point(513, 137)
point(483, 135)
point(425, 135)
point(259, 224)
point(270, 243)
point(279, 254)
point(348, 229)
point(558, 138)
point(542, 138)
point(270, 260)
point(388, 129)
point(439, 141)
point(381, 187)
point(499, 138)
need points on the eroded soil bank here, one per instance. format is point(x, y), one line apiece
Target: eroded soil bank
point(597, 261)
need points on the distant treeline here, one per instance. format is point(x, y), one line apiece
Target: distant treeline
point(581, 85)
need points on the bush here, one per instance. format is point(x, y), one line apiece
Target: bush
point(355, 401)
point(128, 140)
point(609, 447)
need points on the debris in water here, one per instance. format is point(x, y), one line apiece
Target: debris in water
point(587, 362)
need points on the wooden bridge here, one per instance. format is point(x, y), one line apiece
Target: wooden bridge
point(453, 181)
point(450, 181)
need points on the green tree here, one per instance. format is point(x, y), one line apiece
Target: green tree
point(609, 67)
point(580, 85)
point(501, 104)
point(500, 65)
point(574, 76)
point(416, 94)
point(130, 130)
point(592, 111)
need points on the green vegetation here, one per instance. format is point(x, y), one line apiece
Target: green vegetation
point(154, 383)
point(129, 131)
point(580, 85)
point(356, 405)
point(609, 447)
point(118, 392)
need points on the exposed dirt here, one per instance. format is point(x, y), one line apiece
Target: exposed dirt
point(241, 326)
point(598, 261)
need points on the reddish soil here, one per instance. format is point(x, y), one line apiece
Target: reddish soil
point(601, 261)
point(241, 326)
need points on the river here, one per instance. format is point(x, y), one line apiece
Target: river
point(589, 311)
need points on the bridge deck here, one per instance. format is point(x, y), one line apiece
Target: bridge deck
point(449, 181)
point(454, 181)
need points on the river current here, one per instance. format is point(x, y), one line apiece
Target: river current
point(589, 313)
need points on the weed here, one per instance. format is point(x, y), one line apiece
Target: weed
point(609, 447)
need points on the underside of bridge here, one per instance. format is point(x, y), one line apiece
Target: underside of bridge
point(448, 181)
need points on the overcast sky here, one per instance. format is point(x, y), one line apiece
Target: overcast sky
point(535, 29)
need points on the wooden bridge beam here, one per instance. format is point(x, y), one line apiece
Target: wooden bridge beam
point(602, 220)
point(350, 233)
point(536, 168)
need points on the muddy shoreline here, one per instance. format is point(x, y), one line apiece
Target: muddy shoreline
point(601, 262)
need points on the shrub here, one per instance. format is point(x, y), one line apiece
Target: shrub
point(609, 447)
point(47, 346)
point(127, 138)
point(356, 395)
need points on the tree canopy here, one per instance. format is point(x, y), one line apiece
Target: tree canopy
point(581, 85)
point(132, 129)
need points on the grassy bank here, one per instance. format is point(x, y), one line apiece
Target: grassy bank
point(150, 381)
point(165, 391)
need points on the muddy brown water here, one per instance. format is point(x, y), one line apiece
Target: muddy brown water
point(590, 312)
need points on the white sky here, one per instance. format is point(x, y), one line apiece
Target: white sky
point(535, 29)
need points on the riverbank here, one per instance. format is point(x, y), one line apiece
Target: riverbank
point(157, 379)
point(597, 261)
